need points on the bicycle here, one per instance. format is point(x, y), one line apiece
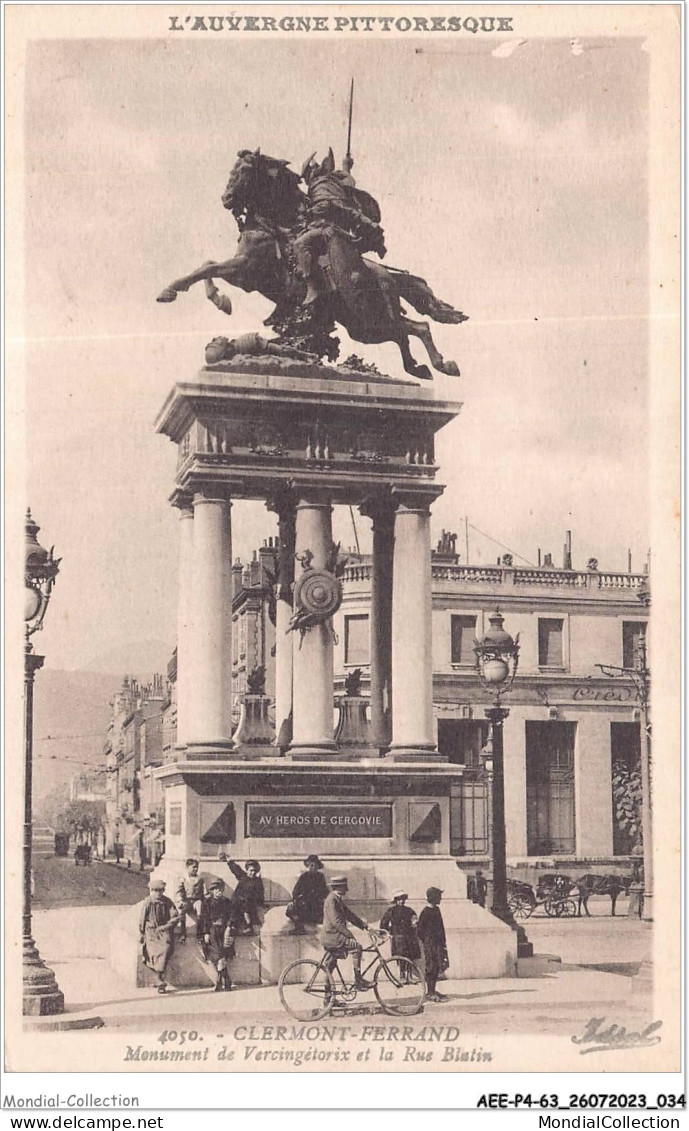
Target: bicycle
point(309, 991)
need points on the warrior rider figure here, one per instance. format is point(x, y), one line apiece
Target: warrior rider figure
point(335, 207)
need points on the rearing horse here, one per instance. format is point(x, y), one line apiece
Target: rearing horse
point(264, 196)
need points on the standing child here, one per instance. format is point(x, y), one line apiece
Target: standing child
point(158, 919)
point(431, 931)
point(400, 921)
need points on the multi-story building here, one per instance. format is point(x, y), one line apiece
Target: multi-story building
point(133, 751)
point(572, 734)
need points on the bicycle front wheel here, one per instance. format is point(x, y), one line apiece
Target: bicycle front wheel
point(399, 986)
point(306, 990)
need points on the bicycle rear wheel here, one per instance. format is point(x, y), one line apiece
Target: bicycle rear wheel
point(399, 986)
point(306, 990)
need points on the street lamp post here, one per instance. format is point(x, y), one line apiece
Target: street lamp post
point(640, 676)
point(41, 994)
point(497, 658)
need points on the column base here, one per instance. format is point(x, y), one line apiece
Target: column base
point(403, 752)
point(314, 751)
point(41, 995)
point(213, 749)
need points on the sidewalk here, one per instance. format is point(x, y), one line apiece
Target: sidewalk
point(73, 941)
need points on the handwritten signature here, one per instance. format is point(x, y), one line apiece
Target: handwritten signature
point(612, 1037)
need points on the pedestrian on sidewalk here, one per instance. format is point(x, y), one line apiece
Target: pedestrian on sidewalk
point(215, 931)
point(248, 898)
point(431, 931)
point(308, 896)
point(400, 922)
point(189, 896)
point(159, 917)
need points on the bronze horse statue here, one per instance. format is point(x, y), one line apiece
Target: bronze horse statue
point(264, 196)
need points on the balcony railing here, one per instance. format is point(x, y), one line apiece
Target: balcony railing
point(516, 576)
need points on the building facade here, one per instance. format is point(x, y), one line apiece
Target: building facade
point(134, 750)
point(572, 737)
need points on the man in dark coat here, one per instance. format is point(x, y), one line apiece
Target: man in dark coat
point(336, 936)
point(159, 917)
point(248, 898)
point(308, 895)
point(431, 931)
point(400, 921)
point(215, 932)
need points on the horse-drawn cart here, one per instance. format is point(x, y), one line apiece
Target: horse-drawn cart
point(553, 895)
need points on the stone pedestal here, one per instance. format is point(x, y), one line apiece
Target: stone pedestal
point(305, 439)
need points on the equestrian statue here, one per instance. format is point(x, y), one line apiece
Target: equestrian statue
point(305, 252)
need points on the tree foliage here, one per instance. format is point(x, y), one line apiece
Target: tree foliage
point(627, 800)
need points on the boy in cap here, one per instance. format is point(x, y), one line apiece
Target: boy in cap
point(158, 919)
point(400, 921)
point(189, 895)
point(431, 931)
point(215, 930)
point(248, 897)
point(336, 936)
point(308, 895)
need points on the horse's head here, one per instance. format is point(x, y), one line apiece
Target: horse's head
point(263, 185)
point(240, 186)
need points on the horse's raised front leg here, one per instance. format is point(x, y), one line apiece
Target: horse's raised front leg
point(422, 331)
point(231, 271)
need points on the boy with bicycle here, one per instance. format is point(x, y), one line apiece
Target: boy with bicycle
point(336, 936)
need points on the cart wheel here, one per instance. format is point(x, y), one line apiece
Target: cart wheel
point(551, 907)
point(520, 907)
point(569, 908)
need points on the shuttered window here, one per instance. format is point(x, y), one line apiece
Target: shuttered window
point(356, 640)
point(633, 633)
point(550, 642)
point(550, 788)
point(463, 635)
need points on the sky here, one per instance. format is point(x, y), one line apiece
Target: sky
point(515, 182)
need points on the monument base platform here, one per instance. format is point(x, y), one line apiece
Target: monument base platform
point(479, 945)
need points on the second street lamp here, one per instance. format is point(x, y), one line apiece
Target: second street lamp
point(497, 659)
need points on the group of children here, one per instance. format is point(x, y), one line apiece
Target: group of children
point(220, 919)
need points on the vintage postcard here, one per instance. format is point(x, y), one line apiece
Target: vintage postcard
point(343, 432)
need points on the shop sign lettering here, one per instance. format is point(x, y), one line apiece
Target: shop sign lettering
point(604, 695)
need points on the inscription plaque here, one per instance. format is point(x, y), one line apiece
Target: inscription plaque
point(313, 819)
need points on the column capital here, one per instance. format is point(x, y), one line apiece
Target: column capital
point(380, 508)
point(314, 497)
point(284, 504)
point(183, 500)
point(419, 502)
point(211, 496)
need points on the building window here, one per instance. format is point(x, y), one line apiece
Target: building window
point(625, 757)
point(550, 788)
point(356, 640)
point(550, 643)
point(462, 637)
point(633, 633)
point(462, 740)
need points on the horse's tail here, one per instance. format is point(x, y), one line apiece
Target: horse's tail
point(418, 294)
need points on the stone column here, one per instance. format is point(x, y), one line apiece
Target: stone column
point(184, 641)
point(211, 623)
point(283, 613)
point(413, 726)
point(382, 512)
point(312, 673)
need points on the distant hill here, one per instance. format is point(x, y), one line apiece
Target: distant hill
point(71, 716)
